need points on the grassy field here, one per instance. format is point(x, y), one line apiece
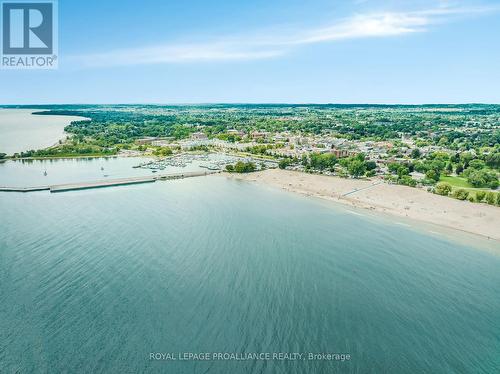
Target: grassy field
point(461, 183)
point(456, 181)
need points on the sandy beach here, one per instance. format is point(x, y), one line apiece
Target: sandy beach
point(402, 201)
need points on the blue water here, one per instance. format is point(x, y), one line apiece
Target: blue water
point(94, 281)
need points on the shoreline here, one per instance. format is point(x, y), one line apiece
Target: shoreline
point(371, 195)
point(391, 200)
point(62, 157)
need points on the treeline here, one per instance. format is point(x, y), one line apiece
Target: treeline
point(68, 150)
point(481, 171)
point(241, 167)
point(438, 125)
point(355, 166)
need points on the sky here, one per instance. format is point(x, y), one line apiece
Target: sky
point(268, 51)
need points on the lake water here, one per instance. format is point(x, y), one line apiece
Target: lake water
point(22, 131)
point(95, 281)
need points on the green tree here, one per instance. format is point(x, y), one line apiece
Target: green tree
point(370, 173)
point(477, 164)
point(460, 194)
point(432, 175)
point(443, 189)
point(490, 198)
point(407, 181)
point(356, 168)
point(370, 165)
point(493, 160)
point(480, 195)
point(393, 167)
point(244, 167)
point(403, 171)
point(482, 178)
point(180, 131)
point(449, 168)
point(415, 153)
point(437, 165)
point(322, 161)
point(360, 156)
point(466, 157)
point(284, 163)
point(163, 151)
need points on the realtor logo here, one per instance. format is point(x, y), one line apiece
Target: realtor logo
point(29, 37)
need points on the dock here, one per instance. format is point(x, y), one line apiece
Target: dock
point(108, 182)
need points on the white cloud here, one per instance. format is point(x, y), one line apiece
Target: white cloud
point(215, 51)
point(249, 48)
point(364, 26)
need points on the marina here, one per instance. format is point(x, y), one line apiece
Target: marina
point(213, 161)
point(76, 174)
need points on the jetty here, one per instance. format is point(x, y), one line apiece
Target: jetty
point(109, 182)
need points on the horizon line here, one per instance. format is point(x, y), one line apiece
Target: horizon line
point(252, 103)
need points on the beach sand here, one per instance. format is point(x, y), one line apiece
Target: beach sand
point(402, 201)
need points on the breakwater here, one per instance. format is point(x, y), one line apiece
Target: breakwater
point(108, 182)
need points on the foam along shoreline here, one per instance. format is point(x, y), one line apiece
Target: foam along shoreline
point(396, 200)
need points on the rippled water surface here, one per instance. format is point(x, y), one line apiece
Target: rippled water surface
point(96, 280)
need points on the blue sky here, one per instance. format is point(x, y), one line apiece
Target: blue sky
point(195, 51)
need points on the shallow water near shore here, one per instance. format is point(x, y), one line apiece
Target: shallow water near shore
point(95, 281)
point(452, 235)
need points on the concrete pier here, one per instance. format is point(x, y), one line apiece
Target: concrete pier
point(24, 189)
point(108, 182)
